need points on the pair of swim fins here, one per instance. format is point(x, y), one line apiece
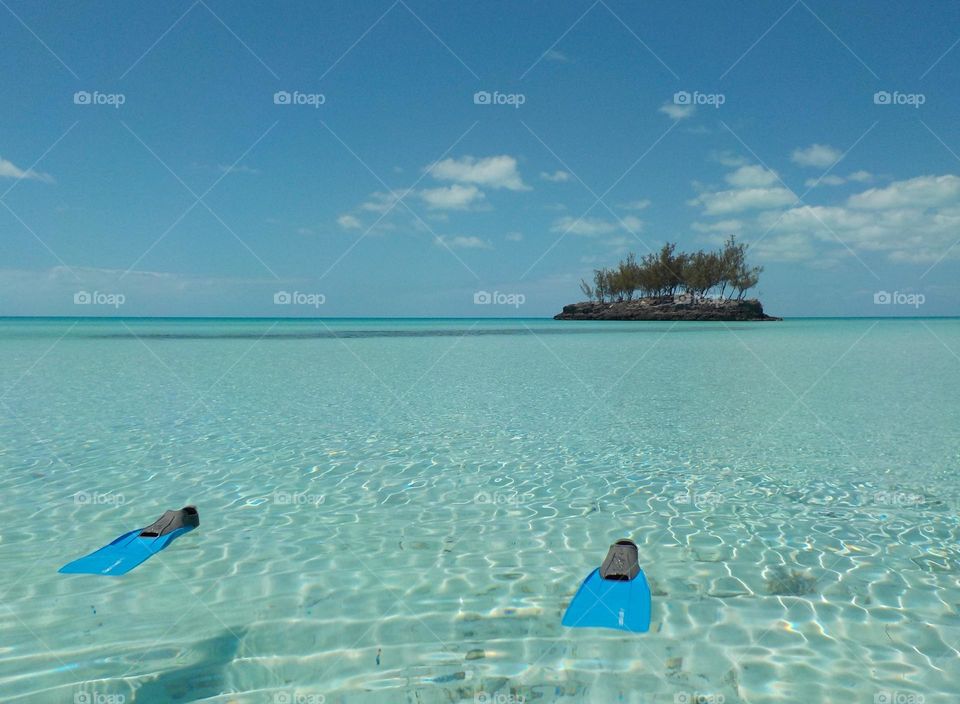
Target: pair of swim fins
point(136, 547)
point(616, 595)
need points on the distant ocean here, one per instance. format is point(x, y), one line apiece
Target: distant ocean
point(400, 510)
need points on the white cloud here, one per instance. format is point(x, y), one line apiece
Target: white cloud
point(676, 112)
point(10, 170)
point(632, 223)
point(514, 237)
point(453, 197)
point(913, 221)
point(556, 176)
point(380, 202)
point(461, 242)
point(919, 192)
point(793, 247)
point(640, 204)
point(554, 55)
point(828, 180)
point(816, 218)
point(719, 226)
point(728, 158)
point(820, 155)
point(51, 291)
point(753, 189)
point(348, 222)
point(620, 245)
point(491, 172)
point(752, 176)
point(905, 234)
point(737, 200)
point(835, 180)
point(591, 227)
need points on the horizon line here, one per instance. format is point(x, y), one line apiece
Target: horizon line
point(441, 317)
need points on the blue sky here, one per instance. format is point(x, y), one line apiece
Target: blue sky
point(384, 188)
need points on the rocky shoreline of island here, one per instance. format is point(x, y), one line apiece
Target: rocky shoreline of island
point(668, 308)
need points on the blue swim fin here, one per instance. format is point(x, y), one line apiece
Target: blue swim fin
point(137, 546)
point(614, 596)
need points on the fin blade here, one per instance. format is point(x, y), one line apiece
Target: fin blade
point(122, 555)
point(603, 603)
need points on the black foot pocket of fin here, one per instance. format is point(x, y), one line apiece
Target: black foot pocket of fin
point(622, 562)
point(171, 521)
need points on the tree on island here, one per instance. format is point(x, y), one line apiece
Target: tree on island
point(666, 272)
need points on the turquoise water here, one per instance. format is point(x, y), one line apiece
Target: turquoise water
point(400, 511)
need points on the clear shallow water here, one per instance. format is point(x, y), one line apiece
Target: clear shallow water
point(436, 495)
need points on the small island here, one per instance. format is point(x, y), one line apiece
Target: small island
point(671, 285)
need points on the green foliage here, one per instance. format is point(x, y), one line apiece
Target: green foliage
point(667, 272)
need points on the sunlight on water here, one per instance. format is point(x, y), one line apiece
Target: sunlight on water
point(400, 511)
